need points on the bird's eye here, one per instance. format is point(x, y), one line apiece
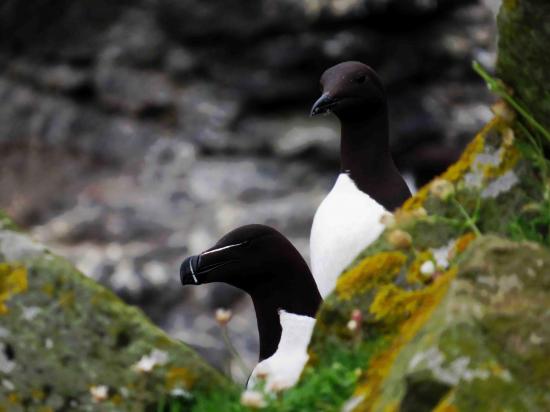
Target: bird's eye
point(360, 79)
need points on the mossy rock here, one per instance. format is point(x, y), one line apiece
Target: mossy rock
point(466, 330)
point(523, 58)
point(447, 310)
point(68, 344)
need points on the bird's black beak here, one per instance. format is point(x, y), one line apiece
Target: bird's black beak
point(323, 104)
point(188, 270)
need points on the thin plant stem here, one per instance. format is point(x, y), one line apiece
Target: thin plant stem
point(469, 220)
point(539, 158)
point(233, 351)
point(497, 87)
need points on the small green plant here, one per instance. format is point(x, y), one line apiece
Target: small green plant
point(534, 222)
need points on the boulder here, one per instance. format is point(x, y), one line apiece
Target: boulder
point(67, 343)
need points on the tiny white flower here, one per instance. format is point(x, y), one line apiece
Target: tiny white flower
point(180, 392)
point(223, 316)
point(31, 312)
point(427, 268)
point(148, 362)
point(352, 325)
point(8, 385)
point(535, 339)
point(99, 393)
point(253, 399)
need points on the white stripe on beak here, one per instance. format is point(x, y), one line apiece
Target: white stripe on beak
point(193, 272)
point(223, 248)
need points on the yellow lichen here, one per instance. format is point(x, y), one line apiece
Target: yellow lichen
point(14, 398)
point(456, 171)
point(411, 310)
point(445, 405)
point(67, 299)
point(116, 399)
point(510, 4)
point(37, 394)
point(418, 199)
point(48, 289)
point(13, 280)
point(462, 243)
point(393, 407)
point(179, 377)
point(380, 268)
point(509, 156)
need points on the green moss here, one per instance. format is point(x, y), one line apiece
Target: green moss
point(523, 57)
point(6, 222)
point(66, 334)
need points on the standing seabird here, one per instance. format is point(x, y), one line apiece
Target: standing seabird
point(368, 185)
point(262, 262)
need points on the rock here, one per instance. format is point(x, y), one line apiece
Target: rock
point(66, 29)
point(133, 91)
point(135, 40)
point(68, 343)
point(517, 47)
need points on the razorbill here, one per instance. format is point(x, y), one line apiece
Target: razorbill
point(369, 184)
point(263, 263)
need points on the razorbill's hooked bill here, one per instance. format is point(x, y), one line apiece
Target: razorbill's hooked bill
point(368, 185)
point(263, 263)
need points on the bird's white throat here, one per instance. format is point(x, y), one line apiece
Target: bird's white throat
point(282, 370)
point(346, 222)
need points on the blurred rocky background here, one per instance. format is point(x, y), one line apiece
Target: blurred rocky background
point(133, 133)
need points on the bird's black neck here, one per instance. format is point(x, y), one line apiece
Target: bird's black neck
point(294, 293)
point(365, 155)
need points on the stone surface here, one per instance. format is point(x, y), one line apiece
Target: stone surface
point(68, 344)
point(522, 53)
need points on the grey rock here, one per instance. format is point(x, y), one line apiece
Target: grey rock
point(133, 91)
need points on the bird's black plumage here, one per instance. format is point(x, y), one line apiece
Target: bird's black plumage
point(355, 94)
point(262, 262)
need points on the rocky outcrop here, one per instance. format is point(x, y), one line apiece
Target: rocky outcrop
point(451, 310)
point(167, 126)
point(521, 54)
point(446, 311)
point(69, 344)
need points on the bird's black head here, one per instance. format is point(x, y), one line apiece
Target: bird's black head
point(350, 89)
point(246, 258)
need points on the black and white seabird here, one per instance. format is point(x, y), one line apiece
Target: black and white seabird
point(368, 185)
point(263, 263)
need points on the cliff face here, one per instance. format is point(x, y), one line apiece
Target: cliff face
point(446, 311)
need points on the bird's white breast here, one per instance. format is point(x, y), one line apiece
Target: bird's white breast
point(283, 369)
point(345, 223)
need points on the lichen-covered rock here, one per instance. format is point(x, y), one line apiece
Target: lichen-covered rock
point(447, 310)
point(68, 344)
point(459, 318)
point(523, 57)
